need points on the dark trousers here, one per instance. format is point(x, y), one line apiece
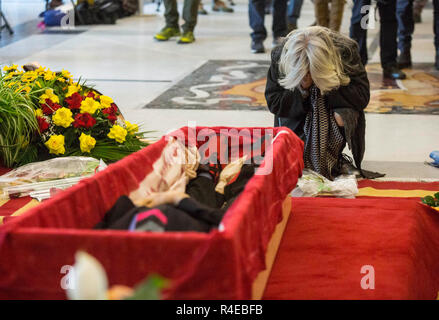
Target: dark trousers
point(406, 24)
point(256, 13)
point(293, 12)
point(388, 32)
point(436, 24)
point(190, 13)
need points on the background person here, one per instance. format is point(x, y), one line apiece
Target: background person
point(388, 34)
point(256, 13)
point(172, 29)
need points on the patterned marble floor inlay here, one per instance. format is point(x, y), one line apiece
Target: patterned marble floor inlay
point(240, 85)
point(219, 85)
point(417, 94)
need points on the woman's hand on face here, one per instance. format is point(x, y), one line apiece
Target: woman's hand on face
point(306, 82)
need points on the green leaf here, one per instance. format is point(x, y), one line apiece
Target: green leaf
point(429, 200)
point(150, 289)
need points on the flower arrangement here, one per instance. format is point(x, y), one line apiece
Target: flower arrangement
point(432, 201)
point(68, 119)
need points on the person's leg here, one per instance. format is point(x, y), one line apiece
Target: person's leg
point(171, 13)
point(279, 26)
point(356, 31)
point(436, 30)
point(256, 14)
point(171, 17)
point(418, 5)
point(336, 14)
point(388, 40)
point(321, 12)
point(219, 5)
point(190, 10)
point(406, 25)
point(293, 13)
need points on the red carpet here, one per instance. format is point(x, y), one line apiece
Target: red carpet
point(327, 241)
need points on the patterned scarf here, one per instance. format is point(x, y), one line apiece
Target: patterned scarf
point(323, 139)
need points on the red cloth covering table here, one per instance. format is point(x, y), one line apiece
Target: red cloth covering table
point(219, 265)
point(327, 242)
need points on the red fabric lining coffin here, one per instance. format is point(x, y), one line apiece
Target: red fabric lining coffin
point(218, 265)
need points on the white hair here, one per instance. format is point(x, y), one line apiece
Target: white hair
point(312, 50)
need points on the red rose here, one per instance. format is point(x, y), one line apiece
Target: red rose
point(49, 107)
point(84, 120)
point(74, 101)
point(91, 94)
point(42, 124)
point(111, 113)
point(112, 118)
point(115, 108)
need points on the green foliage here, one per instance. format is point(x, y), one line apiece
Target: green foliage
point(18, 125)
point(432, 201)
point(150, 289)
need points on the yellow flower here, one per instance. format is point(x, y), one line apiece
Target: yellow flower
point(61, 80)
point(11, 68)
point(29, 76)
point(89, 106)
point(10, 75)
point(26, 89)
point(55, 144)
point(63, 117)
point(40, 70)
point(131, 127)
point(117, 133)
point(86, 142)
point(11, 84)
point(39, 112)
point(38, 84)
point(106, 101)
point(66, 74)
point(48, 94)
point(49, 76)
point(71, 90)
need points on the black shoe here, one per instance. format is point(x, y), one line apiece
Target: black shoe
point(393, 72)
point(347, 166)
point(405, 59)
point(257, 47)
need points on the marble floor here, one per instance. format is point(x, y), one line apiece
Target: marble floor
point(124, 61)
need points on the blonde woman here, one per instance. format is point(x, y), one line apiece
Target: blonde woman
point(318, 87)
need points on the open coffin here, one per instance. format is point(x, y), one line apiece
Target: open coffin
point(221, 264)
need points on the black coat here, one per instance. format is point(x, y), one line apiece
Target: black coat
point(290, 108)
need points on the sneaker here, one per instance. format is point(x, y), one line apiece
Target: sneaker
point(186, 37)
point(257, 47)
point(221, 6)
point(393, 72)
point(201, 9)
point(167, 33)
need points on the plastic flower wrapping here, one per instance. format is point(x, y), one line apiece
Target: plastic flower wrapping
point(46, 114)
